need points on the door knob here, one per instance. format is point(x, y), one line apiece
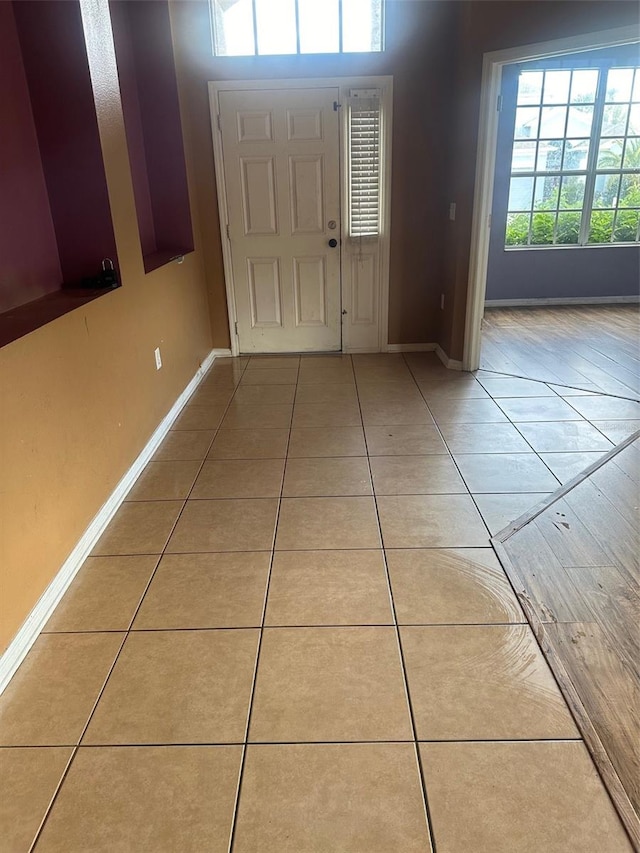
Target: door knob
point(333, 242)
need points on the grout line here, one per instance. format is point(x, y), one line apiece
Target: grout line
point(236, 805)
point(421, 775)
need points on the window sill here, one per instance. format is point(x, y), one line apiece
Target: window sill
point(572, 246)
point(20, 321)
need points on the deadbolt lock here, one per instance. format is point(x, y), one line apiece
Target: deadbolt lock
point(332, 224)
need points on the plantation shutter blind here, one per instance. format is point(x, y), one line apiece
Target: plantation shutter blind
point(364, 163)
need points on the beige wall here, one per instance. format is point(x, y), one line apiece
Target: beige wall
point(419, 36)
point(484, 26)
point(80, 397)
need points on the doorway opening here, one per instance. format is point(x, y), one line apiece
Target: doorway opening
point(574, 150)
point(303, 178)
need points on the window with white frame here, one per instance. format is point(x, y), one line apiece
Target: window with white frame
point(364, 162)
point(575, 168)
point(270, 27)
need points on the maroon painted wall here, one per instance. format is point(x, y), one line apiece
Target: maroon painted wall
point(127, 76)
point(30, 266)
point(144, 51)
point(55, 61)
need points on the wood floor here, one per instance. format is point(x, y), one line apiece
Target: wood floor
point(594, 347)
point(574, 562)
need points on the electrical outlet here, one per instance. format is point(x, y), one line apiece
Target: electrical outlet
point(442, 301)
point(452, 211)
point(158, 358)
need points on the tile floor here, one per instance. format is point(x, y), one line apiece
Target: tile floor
point(294, 635)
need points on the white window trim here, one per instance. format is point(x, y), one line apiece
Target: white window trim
point(344, 84)
point(486, 161)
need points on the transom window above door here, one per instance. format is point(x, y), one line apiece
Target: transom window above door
point(575, 168)
point(277, 27)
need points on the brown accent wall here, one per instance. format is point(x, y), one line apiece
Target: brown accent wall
point(483, 26)
point(419, 39)
point(80, 397)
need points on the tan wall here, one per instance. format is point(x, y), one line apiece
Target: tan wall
point(419, 37)
point(80, 397)
point(486, 26)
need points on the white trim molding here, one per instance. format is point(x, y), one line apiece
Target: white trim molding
point(492, 66)
point(568, 300)
point(344, 84)
point(410, 347)
point(48, 601)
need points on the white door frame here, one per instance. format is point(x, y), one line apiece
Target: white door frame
point(385, 84)
point(492, 65)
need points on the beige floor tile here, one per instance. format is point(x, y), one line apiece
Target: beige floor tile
point(415, 475)
point(329, 393)
point(402, 413)
point(494, 473)
point(139, 528)
point(328, 588)
point(162, 799)
point(482, 683)
point(329, 684)
point(523, 409)
point(564, 436)
point(28, 780)
point(319, 375)
point(466, 411)
point(212, 395)
point(404, 440)
point(322, 415)
point(507, 797)
point(326, 360)
point(431, 521)
point(617, 431)
point(437, 586)
point(177, 687)
point(568, 391)
point(308, 442)
point(484, 438)
point(50, 698)
point(327, 477)
point(250, 444)
point(361, 798)
point(270, 362)
point(265, 395)
point(195, 417)
point(378, 359)
point(239, 478)
point(269, 376)
point(566, 466)
point(511, 386)
point(184, 445)
point(327, 523)
point(257, 416)
point(104, 594)
point(606, 408)
point(434, 390)
point(388, 392)
point(206, 591)
point(225, 525)
point(387, 373)
point(498, 511)
point(165, 481)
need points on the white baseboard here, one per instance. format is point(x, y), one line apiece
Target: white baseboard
point(221, 353)
point(36, 620)
point(451, 363)
point(410, 347)
point(573, 300)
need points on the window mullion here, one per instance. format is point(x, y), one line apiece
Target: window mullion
point(256, 50)
point(297, 7)
point(592, 160)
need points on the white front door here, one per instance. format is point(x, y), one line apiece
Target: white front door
point(282, 178)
